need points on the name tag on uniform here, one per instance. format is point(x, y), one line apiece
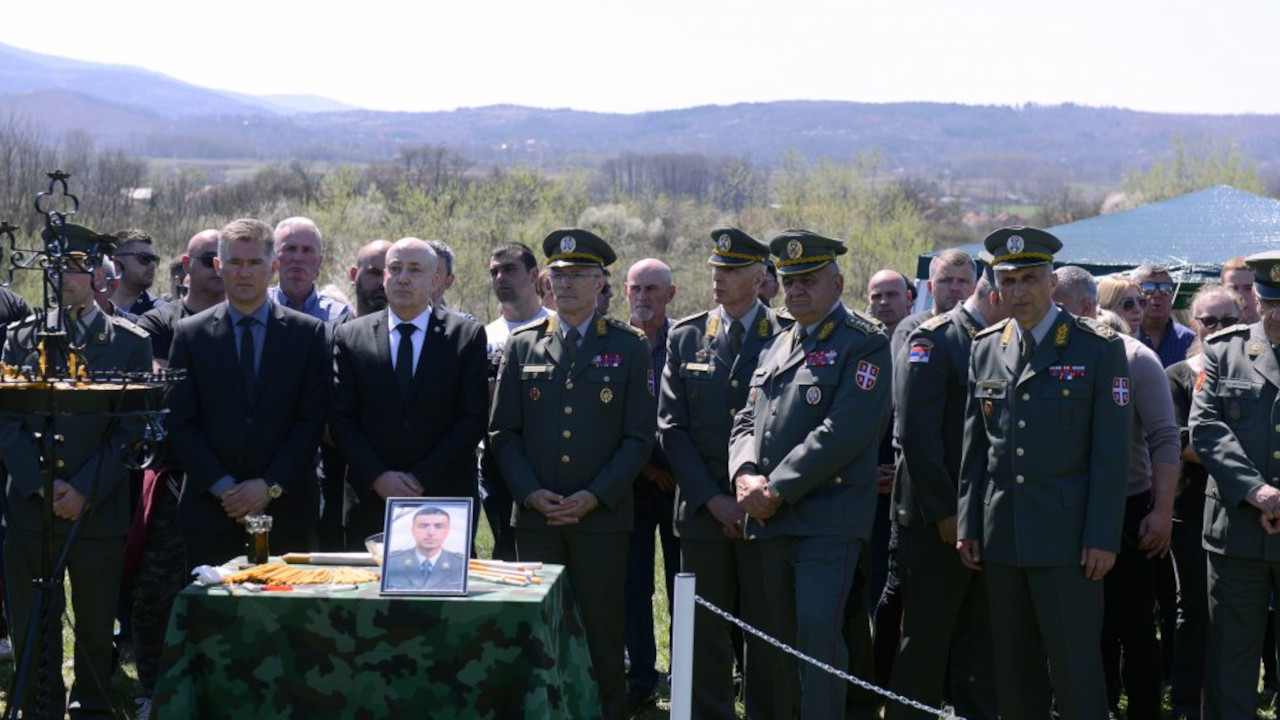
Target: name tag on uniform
point(995, 389)
point(1234, 384)
point(535, 370)
point(698, 367)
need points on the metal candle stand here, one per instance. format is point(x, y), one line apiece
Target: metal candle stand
point(62, 386)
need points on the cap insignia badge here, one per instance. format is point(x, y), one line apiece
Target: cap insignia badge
point(568, 244)
point(1015, 244)
point(724, 242)
point(794, 249)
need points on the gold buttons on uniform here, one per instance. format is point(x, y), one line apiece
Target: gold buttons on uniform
point(1276, 455)
point(61, 463)
point(838, 480)
point(566, 434)
point(768, 434)
point(568, 385)
point(1020, 479)
point(765, 462)
point(733, 383)
point(732, 412)
point(568, 410)
point(564, 458)
point(1022, 423)
point(1020, 452)
point(1026, 396)
point(1065, 392)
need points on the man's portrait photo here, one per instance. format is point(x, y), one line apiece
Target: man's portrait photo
point(426, 548)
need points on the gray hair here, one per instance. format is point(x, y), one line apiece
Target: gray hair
point(303, 224)
point(1209, 293)
point(1146, 270)
point(1076, 283)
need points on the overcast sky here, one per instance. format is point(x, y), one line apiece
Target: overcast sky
point(634, 55)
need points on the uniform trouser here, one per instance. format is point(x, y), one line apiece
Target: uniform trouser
point(945, 624)
point(95, 566)
point(1129, 592)
point(161, 576)
point(1052, 613)
point(729, 571)
point(1240, 591)
point(642, 647)
point(807, 581)
point(596, 565)
point(1193, 618)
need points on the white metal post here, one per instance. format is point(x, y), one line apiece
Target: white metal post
point(682, 647)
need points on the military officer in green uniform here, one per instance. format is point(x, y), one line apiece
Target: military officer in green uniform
point(1042, 483)
point(803, 456)
point(945, 620)
point(90, 480)
point(710, 358)
point(573, 422)
point(1235, 429)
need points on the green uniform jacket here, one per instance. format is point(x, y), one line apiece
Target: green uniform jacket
point(930, 389)
point(1046, 454)
point(92, 458)
point(589, 429)
point(703, 387)
point(812, 425)
point(1235, 428)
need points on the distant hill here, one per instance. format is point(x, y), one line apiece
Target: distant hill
point(149, 114)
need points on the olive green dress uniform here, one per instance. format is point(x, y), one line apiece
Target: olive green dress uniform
point(703, 386)
point(91, 459)
point(569, 426)
point(815, 413)
point(946, 623)
point(1042, 477)
point(1235, 429)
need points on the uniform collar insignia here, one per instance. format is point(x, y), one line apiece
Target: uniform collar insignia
point(762, 327)
point(1060, 335)
point(713, 326)
point(1007, 337)
point(827, 328)
point(602, 328)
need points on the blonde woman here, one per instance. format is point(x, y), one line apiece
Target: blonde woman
point(1122, 296)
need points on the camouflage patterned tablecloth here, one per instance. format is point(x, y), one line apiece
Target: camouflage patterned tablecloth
point(502, 652)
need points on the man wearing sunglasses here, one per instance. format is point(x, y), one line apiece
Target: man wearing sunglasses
point(138, 263)
point(1158, 330)
point(204, 290)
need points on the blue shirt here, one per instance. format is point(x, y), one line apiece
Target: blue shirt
point(1174, 343)
point(320, 307)
point(258, 329)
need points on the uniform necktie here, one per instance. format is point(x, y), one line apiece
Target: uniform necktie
point(426, 572)
point(571, 344)
point(1028, 348)
point(800, 335)
point(404, 357)
point(247, 351)
point(735, 337)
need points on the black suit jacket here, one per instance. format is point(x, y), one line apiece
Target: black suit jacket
point(219, 428)
point(432, 433)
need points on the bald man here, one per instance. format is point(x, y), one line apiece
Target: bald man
point(366, 277)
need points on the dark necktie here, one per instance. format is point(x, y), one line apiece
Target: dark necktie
point(404, 358)
point(1028, 349)
point(571, 344)
point(426, 573)
point(248, 367)
point(735, 338)
point(800, 335)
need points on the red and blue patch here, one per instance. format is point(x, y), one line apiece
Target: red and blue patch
point(866, 375)
point(920, 351)
point(1066, 372)
point(821, 358)
point(1120, 391)
point(607, 361)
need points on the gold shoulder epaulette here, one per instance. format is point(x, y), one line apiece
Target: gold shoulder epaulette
point(936, 322)
point(1093, 326)
point(690, 318)
point(863, 323)
point(534, 324)
point(1239, 327)
point(625, 326)
point(997, 327)
point(129, 325)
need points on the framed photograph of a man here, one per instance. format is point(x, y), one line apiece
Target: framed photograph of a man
point(426, 551)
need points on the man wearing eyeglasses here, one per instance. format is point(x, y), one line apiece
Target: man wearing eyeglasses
point(138, 264)
point(573, 423)
point(204, 290)
point(1234, 432)
point(1158, 330)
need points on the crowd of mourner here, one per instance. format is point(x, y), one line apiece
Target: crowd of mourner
point(1038, 493)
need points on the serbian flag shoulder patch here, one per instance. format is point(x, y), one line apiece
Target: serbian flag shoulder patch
point(920, 351)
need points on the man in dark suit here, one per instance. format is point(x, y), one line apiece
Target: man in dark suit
point(90, 479)
point(704, 383)
point(427, 565)
point(573, 422)
point(246, 420)
point(1042, 483)
point(803, 455)
point(407, 414)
